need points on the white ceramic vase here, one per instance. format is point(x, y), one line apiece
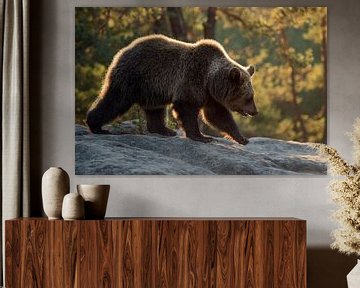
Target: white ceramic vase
point(96, 198)
point(55, 185)
point(73, 207)
point(353, 278)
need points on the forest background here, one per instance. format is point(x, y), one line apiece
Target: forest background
point(288, 46)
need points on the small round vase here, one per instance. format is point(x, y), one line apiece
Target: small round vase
point(55, 185)
point(73, 207)
point(96, 198)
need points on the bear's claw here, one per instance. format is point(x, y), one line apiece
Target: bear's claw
point(242, 140)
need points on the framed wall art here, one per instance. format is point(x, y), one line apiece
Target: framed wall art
point(200, 90)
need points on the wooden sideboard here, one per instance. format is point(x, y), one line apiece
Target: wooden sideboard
point(156, 252)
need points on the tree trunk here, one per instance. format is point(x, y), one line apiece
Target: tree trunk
point(209, 25)
point(209, 33)
point(160, 23)
point(179, 31)
point(177, 23)
point(297, 111)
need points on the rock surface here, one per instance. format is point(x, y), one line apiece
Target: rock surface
point(148, 154)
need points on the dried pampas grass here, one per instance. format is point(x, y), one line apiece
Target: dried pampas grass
point(345, 191)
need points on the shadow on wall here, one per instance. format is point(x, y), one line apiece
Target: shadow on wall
point(328, 268)
point(36, 97)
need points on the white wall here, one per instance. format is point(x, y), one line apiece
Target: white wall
point(303, 197)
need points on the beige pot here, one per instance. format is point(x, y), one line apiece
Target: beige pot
point(73, 207)
point(96, 198)
point(55, 185)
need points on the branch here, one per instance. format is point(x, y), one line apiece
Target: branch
point(235, 17)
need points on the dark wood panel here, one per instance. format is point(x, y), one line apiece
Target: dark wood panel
point(301, 256)
point(33, 253)
point(156, 253)
point(12, 252)
point(97, 254)
point(224, 260)
point(71, 247)
point(55, 269)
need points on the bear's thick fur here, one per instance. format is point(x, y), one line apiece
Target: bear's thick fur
point(156, 71)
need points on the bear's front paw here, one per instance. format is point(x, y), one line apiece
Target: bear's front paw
point(242, 140)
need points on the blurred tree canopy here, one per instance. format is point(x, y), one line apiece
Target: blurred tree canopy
point(287, 45)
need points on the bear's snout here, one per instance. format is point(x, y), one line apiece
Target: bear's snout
point(246, 113)
point(254, 113)
point(250, 109)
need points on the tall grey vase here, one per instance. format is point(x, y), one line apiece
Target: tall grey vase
point(55, 185)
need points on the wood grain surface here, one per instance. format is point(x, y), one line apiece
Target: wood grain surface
point(157, 253)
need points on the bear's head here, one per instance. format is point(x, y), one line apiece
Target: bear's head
point(234, 89)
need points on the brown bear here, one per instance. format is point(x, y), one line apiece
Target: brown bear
point(155, 71)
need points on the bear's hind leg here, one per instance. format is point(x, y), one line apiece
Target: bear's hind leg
point(187, 114)
point(155, 122)
point(104, 111)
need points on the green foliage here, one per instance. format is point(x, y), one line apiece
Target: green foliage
point(287, 45)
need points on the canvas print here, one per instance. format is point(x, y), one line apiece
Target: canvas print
point(200, 90)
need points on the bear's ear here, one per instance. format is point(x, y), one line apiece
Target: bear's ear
point(235, 74)
point(251, 69)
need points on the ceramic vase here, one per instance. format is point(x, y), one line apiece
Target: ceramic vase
point(96, 198)
point(353, 278)
point(55, 185)
point(73, 207)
